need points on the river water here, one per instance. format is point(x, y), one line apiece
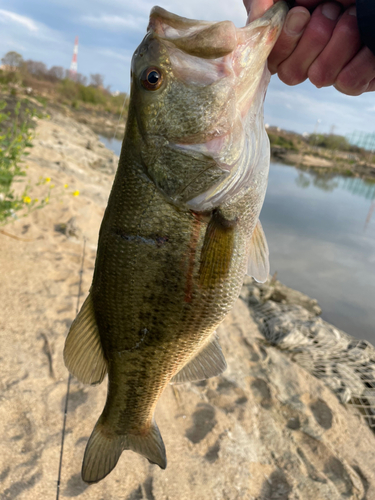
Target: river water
point(321, 234)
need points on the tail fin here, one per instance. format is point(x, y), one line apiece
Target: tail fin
point(105, 447)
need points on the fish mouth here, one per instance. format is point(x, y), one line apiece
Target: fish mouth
point(244, 69)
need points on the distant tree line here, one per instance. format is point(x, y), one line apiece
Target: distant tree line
point(59, 84)
point(14, 61)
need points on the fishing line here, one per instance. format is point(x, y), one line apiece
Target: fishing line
point(119, 118)
point(69, 380)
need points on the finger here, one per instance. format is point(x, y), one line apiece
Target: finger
point(256, 8)
point(371, 86)
point(312, 4)
point(357, 76)
point(340, 50)
point(314, 39)
point(294, 26)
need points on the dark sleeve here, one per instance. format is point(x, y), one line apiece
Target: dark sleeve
point(366, 22)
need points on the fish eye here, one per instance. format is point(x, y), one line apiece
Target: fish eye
point(151, 78)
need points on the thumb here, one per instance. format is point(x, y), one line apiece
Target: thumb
point(256, 8)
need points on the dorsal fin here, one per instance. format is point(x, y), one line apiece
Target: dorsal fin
point(209, 362)
point(83, 352)
point(258, 264)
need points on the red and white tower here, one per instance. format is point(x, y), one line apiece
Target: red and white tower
point(73, 65)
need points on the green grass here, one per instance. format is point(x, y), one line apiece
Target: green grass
point(15, 143)
point(279, 140)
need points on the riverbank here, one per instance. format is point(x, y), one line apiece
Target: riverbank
point(267, 427)
point(306, 154)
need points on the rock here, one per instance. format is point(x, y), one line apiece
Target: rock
point(266, 429)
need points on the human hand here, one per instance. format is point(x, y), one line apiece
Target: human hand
point(325, 46)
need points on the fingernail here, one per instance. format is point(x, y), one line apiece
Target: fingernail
point(296, 22)
point(331, 11)
point(352, 11)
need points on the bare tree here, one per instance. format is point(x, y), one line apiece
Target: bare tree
point(82, 79)
point(36, 68)
point(12, 59)
point(97, 80)
point(56, 73)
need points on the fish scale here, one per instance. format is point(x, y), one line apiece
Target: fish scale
point(181, 226)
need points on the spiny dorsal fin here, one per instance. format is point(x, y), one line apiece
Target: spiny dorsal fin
point(258, 265)
point(83, 352)
point(105, 447)
point(209, 362)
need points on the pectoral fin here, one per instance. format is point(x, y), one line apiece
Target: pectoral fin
point(217, 250)
point(83, 352)
point(258, 264)
point(209, 362)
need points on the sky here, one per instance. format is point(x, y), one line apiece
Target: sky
point(110, 30)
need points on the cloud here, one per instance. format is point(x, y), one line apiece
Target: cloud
point(115, 22)
point(298, 108)
point(6, 16)
point(116, 54)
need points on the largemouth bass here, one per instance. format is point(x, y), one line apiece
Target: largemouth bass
point(181, 227)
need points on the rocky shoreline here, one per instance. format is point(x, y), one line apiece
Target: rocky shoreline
point(282, 422)
point(325, 162)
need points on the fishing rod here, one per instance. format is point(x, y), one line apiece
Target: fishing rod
point(69, 380)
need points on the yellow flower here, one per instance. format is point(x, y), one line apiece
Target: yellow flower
point(75, 193)
point(47, 180)
point(66, 185)
point(52, 186)
point(26, 199)
point(36, 200)
point(46, 199)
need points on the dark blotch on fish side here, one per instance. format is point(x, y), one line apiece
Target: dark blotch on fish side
point(203, 423)
point(154, 240)
point(322, 414)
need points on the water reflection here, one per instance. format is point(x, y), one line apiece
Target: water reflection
point(315, 230)
point(329, 182)
point(112, 144)
point(358, 187)
point(324, 182)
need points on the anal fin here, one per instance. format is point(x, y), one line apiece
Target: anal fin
point(258, 264)
point(83, 352)
point(209, 362)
